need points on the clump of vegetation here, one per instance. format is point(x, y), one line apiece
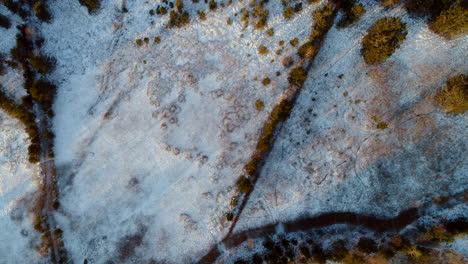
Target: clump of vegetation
point(367, 245)
point(263, 50)
point(290, 11)
point(307, 50)
point(157, 40)
point(266, 81)
point(178, 19)
point(139, 42)
point(229, 216)
point(323, 18)
point(2, 65)
point(270, 32)
point(229, 21)
point(202, 15)
point(294, 42)
point(4, 22)
point(382, 125)
point(91, 5)
point(352, 15)
point(453, 98)
point(297, 76)
point(43, 64)
point(43, 91)
point(212, 5)
point(382, 39)
point(21, 113)
point(41, 12)
point(451, 23)
point(259, 14)
point(259, 105)
point(389, 2)
point(287, 62)
point(244, 185)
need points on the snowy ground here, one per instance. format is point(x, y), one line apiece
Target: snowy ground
point(150, 140)
point(17, 186)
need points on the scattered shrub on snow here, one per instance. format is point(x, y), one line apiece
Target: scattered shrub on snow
point(212, 5)
point(297, 76)
point(43, 91)
point(202, 15)
point(259, 105)
point(139, 42)
point(2, 65)
point(244, 185)
point(4, 22)
point(262, 50)
point(287, 62)
point(266, 81)
point(178, 19)
point(91, 5)
point(229, 216)
point(389, 2)
point(43, 64)
point(157, 40)
point(41, 12)
point(323, 17)
point(382, 39)
point(294, 42)
point(352, 15)
point(308, 50)
point(451, 23)
point(453, 98)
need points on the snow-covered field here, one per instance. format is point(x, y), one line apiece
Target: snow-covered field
point(150, 140)
point(17, 187)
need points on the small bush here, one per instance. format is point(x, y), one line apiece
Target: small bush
point(288, 12)
point(157, 40)
point(43, 91)
point(178, 19)
point(287, 62)
point(353, 15)
point(5, 22)
point(451, 23)
point(229, 216)
point(294, 42)
point(307, 50)
point(41, 12)
point(139, 42)
point(382, 125)
point(453, 98)
point(390, 2)
point(259, 105)
point(2, 65)
point(270, 32)
point(91, 5)
point(262, 50)
point(367, 245)
point(212, 5)
point(382, 39)
point(244, 185)
point(260, 15)
point(266, 81)
point(229, 21)
point(43, 64)
point(297, 76)
point(323, 18)
point(202, 15)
